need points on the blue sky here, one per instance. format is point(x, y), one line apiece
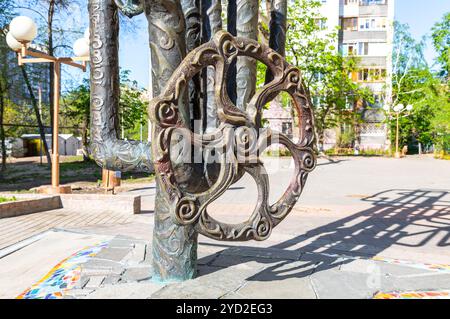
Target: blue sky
point(419, 14)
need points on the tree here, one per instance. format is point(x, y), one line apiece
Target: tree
point(416, 84)
point(132, 109)
point(54, 18)
point(77, 107)
point(441, 41)
point(5, 14)
point(11, 78)
point(325, 71)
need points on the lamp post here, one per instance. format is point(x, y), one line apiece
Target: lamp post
point(23, 30)
point(398, 109)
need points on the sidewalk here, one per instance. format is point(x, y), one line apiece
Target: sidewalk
point(363, 228)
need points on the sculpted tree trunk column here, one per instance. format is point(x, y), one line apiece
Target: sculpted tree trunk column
point(174, 246)
point(247, 27)
point(212, 23)
point(185, 189)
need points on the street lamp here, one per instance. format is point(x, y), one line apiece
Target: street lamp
point(398, 109)
point(23, 30)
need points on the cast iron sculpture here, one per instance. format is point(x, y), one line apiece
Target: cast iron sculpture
point(198, 86)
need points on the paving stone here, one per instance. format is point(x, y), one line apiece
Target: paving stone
point(189, 290)
point(126, 291)
point(120, 242)
point(137, 274)
point(289, 288)
point(321, 262)
point(271, 253)
point(285, 270)
point(102, 271)
point(136, 255)
point(426, 282)
point(386, 269)
point(114, 254)
point(148, 255)
point(95, 263)
point(94, 282)
point(206, 259)
point(238, 260)
point(335, 284)
point(111, 280)
point(203, 270)
point(79, 292)
point(82, 282)
point(233, 295)
point(212, 285)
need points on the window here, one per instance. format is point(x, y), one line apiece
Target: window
point(346, 2)
point(371, 75)
point(377, 23)
point(363, 48)
point(349, 49)
point(349, 24)
point(372, 2)
point(321, 23)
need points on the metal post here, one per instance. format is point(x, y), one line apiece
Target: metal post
point(397, 153)
point(55, 150)
point(40, 112)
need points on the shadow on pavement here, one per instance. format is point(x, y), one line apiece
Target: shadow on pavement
point(409, 218)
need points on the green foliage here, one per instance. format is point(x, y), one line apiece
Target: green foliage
point(77, 102)
point(346, 139)
point(414, 83)
point(132, 107)
point(441, 41)
point(338, 151)
point(7, 199)
point(325, 71)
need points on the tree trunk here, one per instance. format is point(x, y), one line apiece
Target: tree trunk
point(2, 131)
point(84, 137)
point(38, 115)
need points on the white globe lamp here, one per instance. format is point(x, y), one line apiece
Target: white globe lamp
point(409, 107)
point(23, 29)
point(13, 43)
point(81, 47)
point(386, 107)
point(398, 107)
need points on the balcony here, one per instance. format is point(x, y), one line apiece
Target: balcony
point(347, 36)
point(373, 8)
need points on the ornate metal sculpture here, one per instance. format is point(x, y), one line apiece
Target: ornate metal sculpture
point(186, 186)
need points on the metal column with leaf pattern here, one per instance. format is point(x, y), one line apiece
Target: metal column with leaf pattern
point(187, 185)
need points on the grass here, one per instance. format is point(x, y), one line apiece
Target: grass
point(7, 199)
point(22, 177)
point(442, 156)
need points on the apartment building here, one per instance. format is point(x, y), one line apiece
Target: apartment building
point(366, 31)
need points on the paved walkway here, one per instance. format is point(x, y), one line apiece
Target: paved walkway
point(363, 226)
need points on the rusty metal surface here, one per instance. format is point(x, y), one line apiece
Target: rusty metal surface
point(190, 208)
point(186, 188)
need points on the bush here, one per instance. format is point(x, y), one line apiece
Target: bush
point(346, 139)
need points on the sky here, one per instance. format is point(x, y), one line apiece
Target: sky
point(420, 15)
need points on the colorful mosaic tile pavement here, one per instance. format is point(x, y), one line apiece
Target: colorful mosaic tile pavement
point(414, 295)
point(62, 277)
